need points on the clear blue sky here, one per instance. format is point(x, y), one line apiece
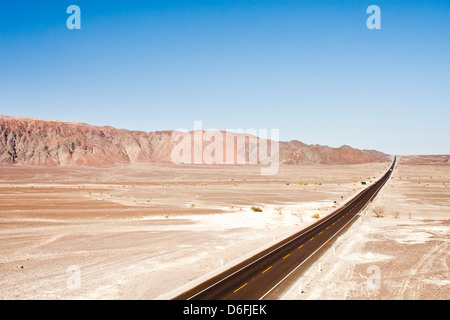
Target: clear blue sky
point(311, 69)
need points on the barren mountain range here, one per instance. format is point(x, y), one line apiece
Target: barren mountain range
point(33, 141)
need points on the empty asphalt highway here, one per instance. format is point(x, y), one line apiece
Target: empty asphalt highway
point(263, 275)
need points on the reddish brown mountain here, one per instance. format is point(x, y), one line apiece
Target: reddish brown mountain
point(34, 141)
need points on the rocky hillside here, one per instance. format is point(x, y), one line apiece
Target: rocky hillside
point(34, 141)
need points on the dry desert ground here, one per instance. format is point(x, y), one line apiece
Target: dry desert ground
point(149, 231)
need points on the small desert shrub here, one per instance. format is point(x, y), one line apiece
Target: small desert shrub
point(256, 209)
point(378, 211)
point(395, 214)
point(315, 216)
point(300, 215)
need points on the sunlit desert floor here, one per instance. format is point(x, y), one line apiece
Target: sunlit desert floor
point(397, 249)
point(149, 231)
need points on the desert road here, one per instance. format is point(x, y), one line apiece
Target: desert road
point(263, 275)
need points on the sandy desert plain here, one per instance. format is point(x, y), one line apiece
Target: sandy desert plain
point(150, 231)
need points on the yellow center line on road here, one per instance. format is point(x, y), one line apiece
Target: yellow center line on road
point(267, 269)
point(240, 288)
point(311, 239)
point(320, 232)
point(300, 247)
point(286, 256)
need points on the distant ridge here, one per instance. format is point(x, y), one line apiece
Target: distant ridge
point(33, 141)
point(425, 159)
